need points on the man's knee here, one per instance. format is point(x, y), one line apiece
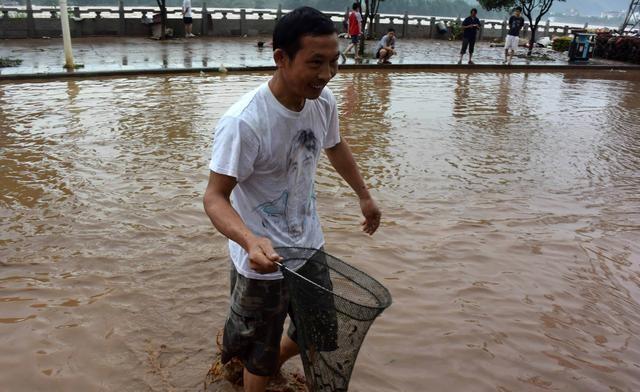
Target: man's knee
point(383, 53)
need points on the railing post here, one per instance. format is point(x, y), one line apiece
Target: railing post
point(546, 28)
point(279, 12)
point(405, 25)
point(565, 30)
point(243, 22)
point(76, 11)
point(586, 25)
point(432, 26)
point(31, 25)
point(503, 33)
point(346, 19)
point(204, 25)
point(481, 30)
point(376, 24)
point(122, 26)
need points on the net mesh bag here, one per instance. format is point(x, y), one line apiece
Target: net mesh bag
point(333, 306)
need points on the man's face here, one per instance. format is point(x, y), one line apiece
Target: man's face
point(391, 34)
point(315, 64)
point(517, 13)
point(474, 13)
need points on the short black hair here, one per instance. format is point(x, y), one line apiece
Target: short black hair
point(474, 10)
point(355, 6)
point(390, 30)
point(298, 23)
point(519, 9)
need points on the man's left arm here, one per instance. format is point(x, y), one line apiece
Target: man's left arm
point(342, 160)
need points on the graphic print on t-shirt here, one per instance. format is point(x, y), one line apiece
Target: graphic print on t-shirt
point(294, 206)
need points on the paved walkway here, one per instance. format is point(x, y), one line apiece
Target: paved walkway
point(115, 54)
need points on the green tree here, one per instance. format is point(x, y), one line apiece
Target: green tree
point(534, 10)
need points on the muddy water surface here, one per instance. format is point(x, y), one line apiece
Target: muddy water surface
point(510, 239)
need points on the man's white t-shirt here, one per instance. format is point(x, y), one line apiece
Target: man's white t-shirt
point(273, 153)
point(186, 8)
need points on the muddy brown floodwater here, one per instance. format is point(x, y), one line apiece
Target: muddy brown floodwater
point(510, 240)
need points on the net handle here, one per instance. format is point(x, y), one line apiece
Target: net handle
point(283, 267)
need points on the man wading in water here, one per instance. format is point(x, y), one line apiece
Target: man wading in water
point(261, 186)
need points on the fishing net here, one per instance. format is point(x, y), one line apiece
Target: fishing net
point(333, 304)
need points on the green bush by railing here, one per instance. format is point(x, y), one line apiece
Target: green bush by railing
point(561, 44)
point(456, 30)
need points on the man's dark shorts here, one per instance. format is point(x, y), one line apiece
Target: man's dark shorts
point(466, 42)
point(256, 320)
point(355, 39)
point(187, 20)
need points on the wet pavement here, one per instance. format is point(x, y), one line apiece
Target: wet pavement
point(99, 54)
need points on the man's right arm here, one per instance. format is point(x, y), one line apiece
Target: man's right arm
point(226, 219)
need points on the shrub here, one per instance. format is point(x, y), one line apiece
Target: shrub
point(456, 30)
point(618, 48)
point(561, 44)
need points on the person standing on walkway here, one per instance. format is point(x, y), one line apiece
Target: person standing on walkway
point(386, 47)
point(516, 23)
point(261, 192)
point(470, 26)
point(355, 31)
point(187, 18)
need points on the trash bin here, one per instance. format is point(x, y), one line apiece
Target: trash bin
point(582, 46)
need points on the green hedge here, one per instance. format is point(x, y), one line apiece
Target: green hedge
point(561, 44)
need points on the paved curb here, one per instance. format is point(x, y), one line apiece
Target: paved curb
point(392, 67)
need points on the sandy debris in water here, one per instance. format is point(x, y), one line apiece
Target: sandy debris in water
point(228, 377)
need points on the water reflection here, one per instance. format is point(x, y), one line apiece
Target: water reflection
point(164, 55)
point(187, 55)
point(365, 101)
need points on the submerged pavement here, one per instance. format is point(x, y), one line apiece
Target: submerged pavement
point(134, 54)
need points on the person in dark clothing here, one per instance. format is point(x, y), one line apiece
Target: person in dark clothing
point(470, 25)
point(516, 22)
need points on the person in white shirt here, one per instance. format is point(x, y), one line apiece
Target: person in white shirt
point(187, 18)
point(261, 193)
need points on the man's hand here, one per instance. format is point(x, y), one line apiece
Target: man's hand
point(371, 215)
point(262, 256)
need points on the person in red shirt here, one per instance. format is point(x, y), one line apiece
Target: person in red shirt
point(355, 30)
